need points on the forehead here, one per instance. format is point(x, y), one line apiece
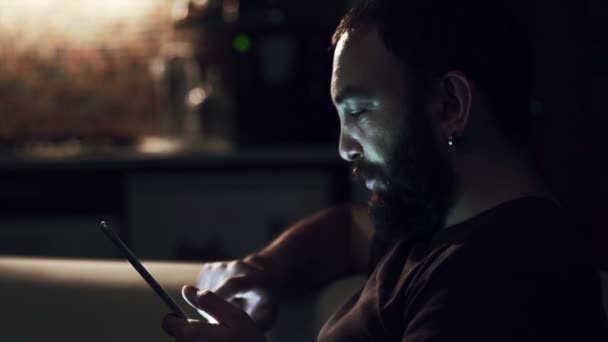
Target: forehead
point(361, 61)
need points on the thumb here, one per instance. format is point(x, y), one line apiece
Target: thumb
point(189, 293)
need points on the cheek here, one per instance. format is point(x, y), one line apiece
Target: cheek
point(385, 126)
point(376, 142)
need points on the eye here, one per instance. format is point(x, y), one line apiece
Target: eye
point(357, 113)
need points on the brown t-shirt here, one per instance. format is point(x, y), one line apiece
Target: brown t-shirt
point(517, 272)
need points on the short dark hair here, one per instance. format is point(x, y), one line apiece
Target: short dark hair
point(488, 42)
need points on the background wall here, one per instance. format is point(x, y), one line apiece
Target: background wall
point(571, 69)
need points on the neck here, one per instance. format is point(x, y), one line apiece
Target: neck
point(484, 181)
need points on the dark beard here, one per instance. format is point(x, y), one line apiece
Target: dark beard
point(420, 183)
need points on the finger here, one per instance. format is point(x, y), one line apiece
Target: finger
point(189, 293)
point(232, 287)
point(173, 325)
point(208, 276)
point(230, 290)
point(224, 311)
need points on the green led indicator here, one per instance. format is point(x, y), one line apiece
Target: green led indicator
point(241, 43)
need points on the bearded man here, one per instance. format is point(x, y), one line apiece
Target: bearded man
point(463, 241)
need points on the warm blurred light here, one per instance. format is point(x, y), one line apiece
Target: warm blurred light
point(196, 96)
point(200, 3)
point(180, 10)
point(158, 145)
point(231, 10)
point(81, 68)
point(66, 149)
point(76, 21)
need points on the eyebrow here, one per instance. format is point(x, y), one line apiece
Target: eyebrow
point(349, 92)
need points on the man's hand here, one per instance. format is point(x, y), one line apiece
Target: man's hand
point(246, 286)
point(234, 325)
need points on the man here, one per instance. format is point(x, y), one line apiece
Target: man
point(467, 243)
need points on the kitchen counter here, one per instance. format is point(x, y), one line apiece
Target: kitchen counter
point(163, 153)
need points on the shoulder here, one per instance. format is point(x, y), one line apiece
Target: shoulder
point(525, 275)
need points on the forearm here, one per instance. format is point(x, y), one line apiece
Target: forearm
point(311, 252)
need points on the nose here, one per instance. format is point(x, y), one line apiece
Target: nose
point(350, 149)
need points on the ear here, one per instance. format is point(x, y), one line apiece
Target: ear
point(452, 104)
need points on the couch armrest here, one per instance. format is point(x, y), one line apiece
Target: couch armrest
point(95, 300)
point(86, 300)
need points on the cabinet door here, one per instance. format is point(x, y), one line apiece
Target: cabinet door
point(57, 236)
point(215, 215)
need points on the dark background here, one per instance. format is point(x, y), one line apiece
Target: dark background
point(200, 205)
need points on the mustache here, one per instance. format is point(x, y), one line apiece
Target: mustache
point(362, 170)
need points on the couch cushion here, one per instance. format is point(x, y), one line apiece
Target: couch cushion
point(86, 300)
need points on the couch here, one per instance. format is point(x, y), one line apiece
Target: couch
point(106, 300)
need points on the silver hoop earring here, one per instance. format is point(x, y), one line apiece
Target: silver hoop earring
point(452, 139)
